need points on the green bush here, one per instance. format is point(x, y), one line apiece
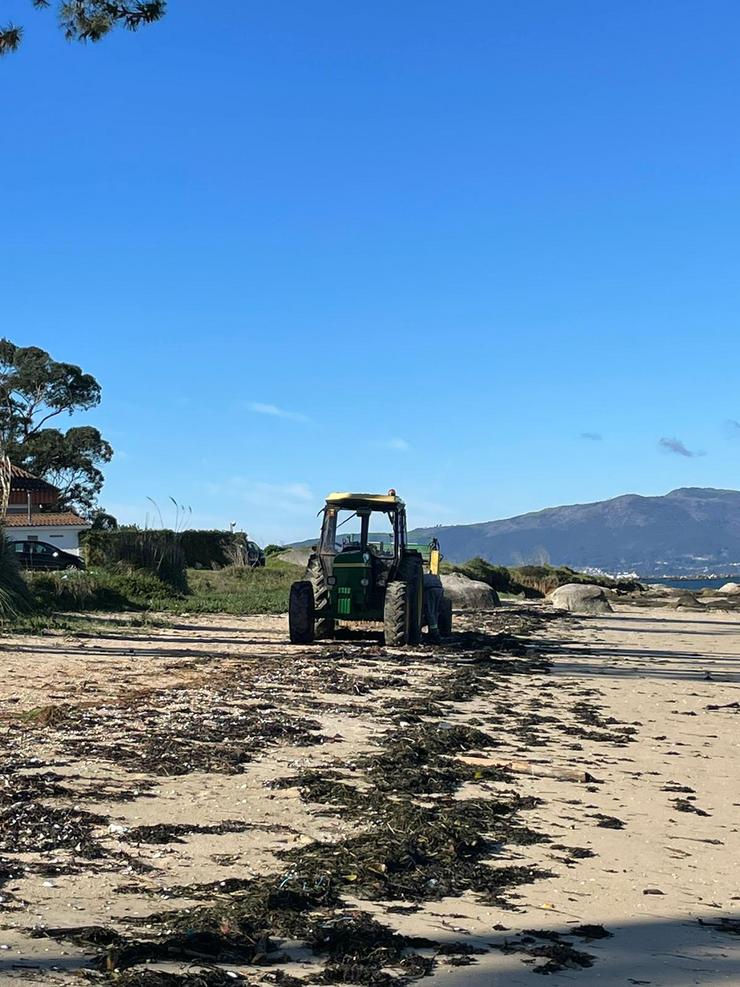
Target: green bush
point(497, 576)
point(15, 598)
point(129, 549)
point(99, 589)
point(199, 549)
point(212, 548)
point(233, 589)
point(546, 578)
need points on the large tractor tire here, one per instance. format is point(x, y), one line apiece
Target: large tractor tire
point(396, 614)
point(323, 626)
point(300, 613)
point(444, 618)
point(411, 572)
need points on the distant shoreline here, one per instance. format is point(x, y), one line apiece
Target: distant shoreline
point(697, 575)
point(690, 582)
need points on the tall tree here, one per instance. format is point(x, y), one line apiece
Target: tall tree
point(35, 389)
point(89, 20)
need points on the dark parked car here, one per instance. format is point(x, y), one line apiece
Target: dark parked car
point(41, 555)
point(255, 554)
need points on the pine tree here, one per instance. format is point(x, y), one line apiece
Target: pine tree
point(89, 20)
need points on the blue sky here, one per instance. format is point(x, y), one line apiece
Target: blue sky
point(428, 245)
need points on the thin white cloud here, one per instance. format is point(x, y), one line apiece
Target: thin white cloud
point(396, 444)
point(297, 491)
point(273, 411)
point(292, 497)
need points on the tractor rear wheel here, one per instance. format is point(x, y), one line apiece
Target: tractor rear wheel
point(300, 613)
point(444, 617)
point(396, 614)
point(323, 626)
point(412, 572)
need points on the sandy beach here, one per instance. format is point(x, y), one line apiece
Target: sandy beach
point(155, 772)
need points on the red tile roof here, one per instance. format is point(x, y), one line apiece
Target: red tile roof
point(46, 520)
point(22, 483)
point(19, 471)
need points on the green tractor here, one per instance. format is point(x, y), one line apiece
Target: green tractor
point(359, 574)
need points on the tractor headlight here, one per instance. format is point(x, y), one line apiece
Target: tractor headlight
point(331, 581)
point(364, 582)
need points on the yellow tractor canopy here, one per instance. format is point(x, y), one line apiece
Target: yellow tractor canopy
point(364, 501)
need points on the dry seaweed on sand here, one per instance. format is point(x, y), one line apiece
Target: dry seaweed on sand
point(413, 759)
point(590, 932)
point(418, 854)
point(415, 840)
point(603, 729)
point(282, 979)
point(572, 853)
point(549, 946)
point(684, 805)
point(460, 953)
point(172, 832)
point(9, 871)
point(16, 786)
point(244, 929)
point(359, 948)
point(412, 850)
point(608, 822)
point(203, 731)
point(157, 978)
point(728, 925)
point(34, 827)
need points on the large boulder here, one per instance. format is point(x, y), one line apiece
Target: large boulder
point(660, 589)
point(296, 556)
point(721, 601)
point(731, 589)
point(687, 601)
point(580, 598)
point(469, 594)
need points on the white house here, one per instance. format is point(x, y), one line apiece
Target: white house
point(31, 515)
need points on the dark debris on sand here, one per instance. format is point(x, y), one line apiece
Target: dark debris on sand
point(167, 739)
point(548, 946)
point(154, 978)
point(415, 840)
point(32, 827)
point(729, 925)
point(161, 833)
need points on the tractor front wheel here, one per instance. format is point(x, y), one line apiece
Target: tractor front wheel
point(396, 613)
point(300, 613)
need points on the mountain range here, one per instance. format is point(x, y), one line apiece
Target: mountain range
point(692, 530)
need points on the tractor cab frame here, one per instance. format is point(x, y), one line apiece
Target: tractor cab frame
point(362, 506)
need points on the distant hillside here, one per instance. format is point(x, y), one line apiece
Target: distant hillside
point(310, 542)
point(690, 530)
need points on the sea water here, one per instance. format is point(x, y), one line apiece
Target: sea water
point(692, 584)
